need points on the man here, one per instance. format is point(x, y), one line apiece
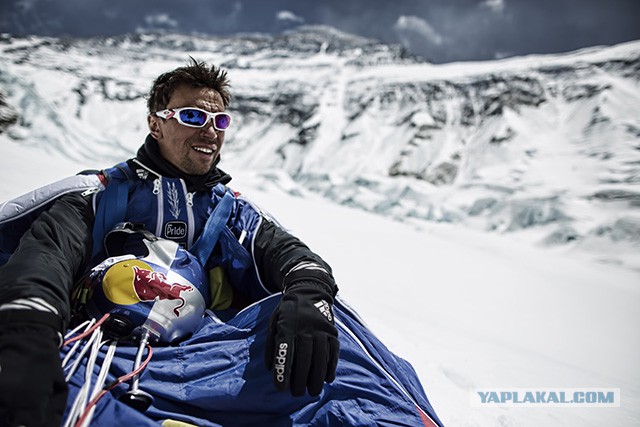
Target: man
point(173, 185)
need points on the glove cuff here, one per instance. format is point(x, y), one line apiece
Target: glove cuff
point(313, 277)
point(311, 289)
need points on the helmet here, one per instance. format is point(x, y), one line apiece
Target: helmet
point(148, 283)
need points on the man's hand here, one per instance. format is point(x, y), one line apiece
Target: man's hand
point(33, 392)
point(302, 346)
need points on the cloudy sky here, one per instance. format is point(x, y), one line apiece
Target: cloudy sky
point(438, 30)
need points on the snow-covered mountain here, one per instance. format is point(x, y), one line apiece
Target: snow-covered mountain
point(542, 148)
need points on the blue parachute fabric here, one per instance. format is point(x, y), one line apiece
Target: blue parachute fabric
point(110, 412)
point(218, 378)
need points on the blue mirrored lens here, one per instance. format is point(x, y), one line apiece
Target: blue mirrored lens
point(193, 117)
point(222, 121)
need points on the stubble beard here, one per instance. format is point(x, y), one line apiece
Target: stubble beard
point(191, 167)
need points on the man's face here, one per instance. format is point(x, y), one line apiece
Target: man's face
point(191, 150)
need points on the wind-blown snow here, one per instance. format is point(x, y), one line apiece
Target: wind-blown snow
point(501, 244)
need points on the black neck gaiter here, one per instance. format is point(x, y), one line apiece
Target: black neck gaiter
point(149, 155)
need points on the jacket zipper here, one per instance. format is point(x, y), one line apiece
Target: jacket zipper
point(190, 220)
point(159, 192)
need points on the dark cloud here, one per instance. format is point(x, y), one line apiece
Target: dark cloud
point(439, 30)
point(473, 29)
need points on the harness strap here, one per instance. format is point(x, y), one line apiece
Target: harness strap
point(216, 222)
point(111, 209)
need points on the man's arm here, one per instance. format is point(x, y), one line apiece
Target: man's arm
point(35, 287)
point(283, 259)
point(48, 258)
point(302, 346)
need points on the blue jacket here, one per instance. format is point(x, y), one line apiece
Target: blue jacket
point(163, 206)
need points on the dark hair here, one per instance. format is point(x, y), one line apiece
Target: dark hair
point(196, 74)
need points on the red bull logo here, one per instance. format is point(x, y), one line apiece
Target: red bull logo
point(150, 285)
point(132, 281)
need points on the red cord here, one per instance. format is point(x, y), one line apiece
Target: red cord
point(88, 332)
point(113, 385)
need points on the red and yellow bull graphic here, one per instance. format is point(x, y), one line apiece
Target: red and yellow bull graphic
point(132, 281)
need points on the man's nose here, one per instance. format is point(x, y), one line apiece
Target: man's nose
point(209, 131)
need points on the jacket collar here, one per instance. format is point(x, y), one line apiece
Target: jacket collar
point(149, 156)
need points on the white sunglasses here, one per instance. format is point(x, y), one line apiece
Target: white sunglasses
point(196, 118)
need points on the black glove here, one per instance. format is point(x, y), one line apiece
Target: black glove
point(33, 392)
point(302, 346)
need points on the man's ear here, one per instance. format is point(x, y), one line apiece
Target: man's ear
point(154, 126)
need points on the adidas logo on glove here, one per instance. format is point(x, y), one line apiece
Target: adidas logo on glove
point(325, 309)
point(281, 361)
